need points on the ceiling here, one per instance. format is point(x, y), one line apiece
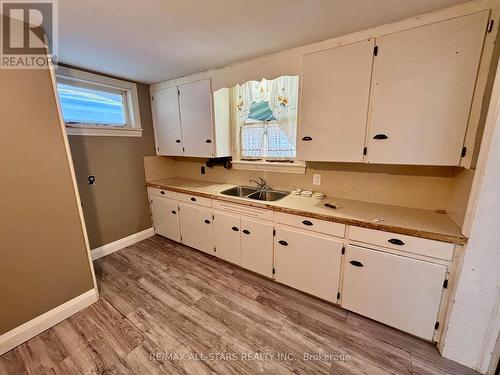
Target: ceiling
point(154, 40)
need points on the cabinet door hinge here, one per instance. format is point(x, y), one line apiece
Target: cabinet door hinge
point(338, 295)
point(178, 92)
point(183, 150)
point(375, 51)
point(490, 26)
point(152, 98)
point(436, 326)
point(365, 150)
point(274, 232)
point(274, 270)
point(445, 284)
point(464, 151)
point(343, 249)
point(213, 217)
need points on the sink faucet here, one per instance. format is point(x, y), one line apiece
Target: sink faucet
point(262, 185)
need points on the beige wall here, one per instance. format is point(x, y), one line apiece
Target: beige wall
point(43, 254)
point(116, 206)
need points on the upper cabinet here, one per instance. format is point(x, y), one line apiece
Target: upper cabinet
point(188, 122)
point(422, 88)
point(334, 103)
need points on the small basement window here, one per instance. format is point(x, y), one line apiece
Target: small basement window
point(96, 105)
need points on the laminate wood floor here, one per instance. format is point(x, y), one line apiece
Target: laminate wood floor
point(168, 309)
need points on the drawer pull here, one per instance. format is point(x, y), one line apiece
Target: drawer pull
point(235, 229)
point(246, 231)
point(174, 212)
point(307, 138)
point(396, 241)
point(193, 199)
point(307, 222)
point(356, 263)
point(208, 141)
point(162, 192)
point(207, 221)
point(380, 136)
point(178, 141)
point(284, 243)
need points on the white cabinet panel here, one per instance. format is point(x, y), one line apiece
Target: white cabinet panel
point(257, 246)
point(165, 217)
point(196, 227)
point(308, 261)
point(165, 106)
point(334, 103)
point(227, 236)
point(195, 105)
point(422, 88)
point(401, 292)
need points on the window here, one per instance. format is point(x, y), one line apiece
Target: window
point(266, 119)
point(97, 105)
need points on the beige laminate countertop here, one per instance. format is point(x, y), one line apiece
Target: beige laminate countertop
point(403, 220)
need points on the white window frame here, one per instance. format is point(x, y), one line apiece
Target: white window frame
point(133, 127)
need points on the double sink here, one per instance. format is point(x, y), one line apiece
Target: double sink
point(255, 193)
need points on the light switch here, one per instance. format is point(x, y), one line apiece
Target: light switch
point(316, 179)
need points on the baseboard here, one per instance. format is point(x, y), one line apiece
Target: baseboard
point(111, 247)
point(26, 331)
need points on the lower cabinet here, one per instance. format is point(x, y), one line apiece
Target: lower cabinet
point(257, 246)
point(165, 217)
point(401, 292)
point(227, 236)
point(196, 227)
point(308, 261)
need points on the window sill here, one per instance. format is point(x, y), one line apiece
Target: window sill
point(297, 167)
point(103, 132)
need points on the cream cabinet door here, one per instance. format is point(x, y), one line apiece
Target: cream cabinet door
point(168, 135)
point(227, 236)
point(165, 217)
point(195, 102)
point(308, 261)
point(196, 227)
point(401, 292)
point(257, 246)
point(422, 88)
point(334, 103)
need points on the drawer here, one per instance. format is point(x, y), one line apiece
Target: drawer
point(244, 210)
point(315, 225)
point(162, 193)
point(415, 245)
point(194, 199)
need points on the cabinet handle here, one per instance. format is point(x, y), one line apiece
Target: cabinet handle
point(235, 229)
point(162, 192)
point(284, 243)
point(307, 222)
point(307, 138)
point(178, 141)
point(380, 136)
point(396, 241)
point(207, 221)
point(174, 212)
point(193, 199)
point(246, 231)
point(208, 141)
point(356, 263)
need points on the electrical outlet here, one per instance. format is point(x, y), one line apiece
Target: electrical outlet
point(316, 179)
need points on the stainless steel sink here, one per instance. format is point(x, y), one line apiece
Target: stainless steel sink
point(240, 191)
point(268, 195)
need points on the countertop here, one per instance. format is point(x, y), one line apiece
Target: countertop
point(403, 220)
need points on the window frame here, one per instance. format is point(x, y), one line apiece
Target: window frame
point(88, 80)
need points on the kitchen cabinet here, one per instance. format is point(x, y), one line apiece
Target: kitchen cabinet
point(422, 88)
point(308, 261)
point(257, 246)
point(227, 236)
point(168, 135)
point(401, 292)
point(196, 227)
point(165, 217)
point(334, 103)
point(191, 121)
